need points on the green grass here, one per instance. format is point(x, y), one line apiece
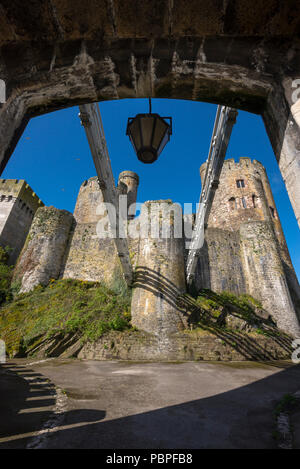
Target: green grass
point(208, 308)
point(88, 309)
point(246, 304)
point(6, 293)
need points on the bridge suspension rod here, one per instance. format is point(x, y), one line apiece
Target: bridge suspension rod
point(91, 120)
point(224, 121)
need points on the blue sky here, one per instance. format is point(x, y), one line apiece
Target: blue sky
point(54, 158)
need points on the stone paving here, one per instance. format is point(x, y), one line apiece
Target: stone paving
point(112, 404)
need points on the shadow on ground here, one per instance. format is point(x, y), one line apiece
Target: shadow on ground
point(27, 403)
point(193, 315)
point(239, 418)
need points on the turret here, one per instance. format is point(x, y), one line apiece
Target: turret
point(131, 180)
point(18, 204)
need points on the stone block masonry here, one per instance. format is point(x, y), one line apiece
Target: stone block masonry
point(186, 346)
point(131, 181)
point(44, 249)
point(219, 267)
point(265, 275)
point(245, 249)
point(18, 204)
point(90, 257)
point(160, 274)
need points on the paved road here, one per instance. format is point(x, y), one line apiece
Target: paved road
point(93, 404)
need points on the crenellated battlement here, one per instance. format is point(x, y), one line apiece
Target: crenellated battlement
point(18, 204)
point(244, 163)
point(12, 190)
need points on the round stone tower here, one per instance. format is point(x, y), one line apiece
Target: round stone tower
point(160, 273)
point(245, 249)
point(89, 197)
point(91, 256)
point(131, 180)
point(243, 195)
point(44, 249)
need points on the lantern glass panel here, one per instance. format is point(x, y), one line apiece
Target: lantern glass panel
point(135, 133)
point(147, 123)
point(160, 129)
point(164, 142)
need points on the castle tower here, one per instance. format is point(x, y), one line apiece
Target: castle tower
point(245, 248)
point(44, 249)
point(89, 198)
point(131, 180)
point(90, 256)
point(244, 194)
point(160, 273)
point(18, 204)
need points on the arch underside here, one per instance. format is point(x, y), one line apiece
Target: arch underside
point(61, 53)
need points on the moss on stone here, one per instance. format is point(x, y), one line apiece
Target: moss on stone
point(217, 312)
point(84, 309)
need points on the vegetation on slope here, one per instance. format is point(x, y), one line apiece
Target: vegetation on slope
point(85, 309)
point(67, 311)
point(5, 277)
point(226, 311)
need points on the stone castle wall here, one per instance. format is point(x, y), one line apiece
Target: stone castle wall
point(219, 266)
point(160, 273)
point(131, 181)
point(42, 255)
point(90, 257)
point(234, 206)
point(245, 249)
point(18, 204)
point(265, 274)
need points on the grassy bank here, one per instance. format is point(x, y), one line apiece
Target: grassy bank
point(87, 309)
point(84, 311)
point(6, 293)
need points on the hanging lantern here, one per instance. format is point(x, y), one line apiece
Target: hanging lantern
point(149, 133)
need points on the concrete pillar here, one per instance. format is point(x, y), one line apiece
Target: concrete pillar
point(160, 273)
point(44, 249)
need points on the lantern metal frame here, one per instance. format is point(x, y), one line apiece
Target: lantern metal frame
point(156, 151)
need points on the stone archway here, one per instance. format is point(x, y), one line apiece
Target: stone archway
point(58, 53)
